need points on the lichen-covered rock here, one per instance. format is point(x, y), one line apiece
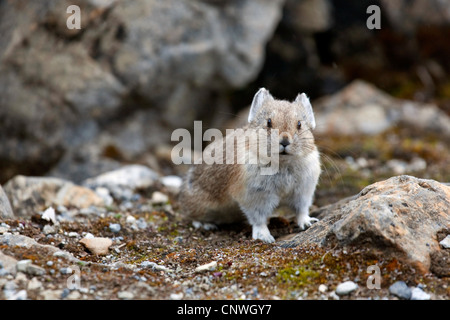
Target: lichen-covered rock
point(29, 195)
point(401, 215)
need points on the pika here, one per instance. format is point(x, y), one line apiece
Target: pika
point(215, 194)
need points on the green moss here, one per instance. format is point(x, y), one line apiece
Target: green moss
point(297, 277)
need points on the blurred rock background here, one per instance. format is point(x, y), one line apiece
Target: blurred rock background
point(77, 103)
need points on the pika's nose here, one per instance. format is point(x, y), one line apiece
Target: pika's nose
point(285, 142)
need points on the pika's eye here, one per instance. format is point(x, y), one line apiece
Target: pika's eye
point(299, 125)
point(269, 123)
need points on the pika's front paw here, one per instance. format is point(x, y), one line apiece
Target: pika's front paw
point(305, 221)
point(262, 233)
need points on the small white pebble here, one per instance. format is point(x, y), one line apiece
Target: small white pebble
point(323, 288)
point(346, 288)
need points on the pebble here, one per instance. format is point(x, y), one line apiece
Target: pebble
point(9, 289)
point(419, 294)
point(114, 227)
point(22, 265)
point(35, 270)
point(49, 215)
point(65, 293)
point(176, 296)
point(159, 198)
point(125, 295)
point(66, 270)
point(89, 235)
point(3, 230)
point(48, 229)
point(51, 294)
point(74, 295)
point(154, 266)
point(207, 267)
point(446, 242)
point(98, 246)
point(34, 284)
point(73, 234)
point(346, 287)
point(401, 290)
point(323, 288)
point(173, 183)
point(142, 224)
point(20, 295)
point(130, 220)
point(105, 195)
point(26, 266)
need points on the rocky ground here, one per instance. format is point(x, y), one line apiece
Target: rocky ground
point(120, 235)
point(88, 196)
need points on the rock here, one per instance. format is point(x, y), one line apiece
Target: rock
point(323, 288)
point(401, 290)
point(29, 195)
point(399, 217)
point(26, 266)
point(48, 229)
point(177, 57)
point(49, 215)
point(13, 240)
point(35, 270)
point(74, 295)
point(446, 242)
point(20, 295)
point(104, 194)
point(345, 288)
point(130, 220)
point(49, 294)
point(125, 295)
point(360, 101)
point(176, 296)
point(159, 198)
point(23, 265)
point(207, 267)
point(5, 207)
point(98, 246)
point(4, 228)
point(66, 270)
point(172, 183)
point(154, 266)
point(124, 181)
point(114, 227)
point(419, 294)
point(34, 284)
point(9, 289)
point(8, 264)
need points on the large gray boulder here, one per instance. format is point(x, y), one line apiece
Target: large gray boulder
point(174, 59)
point(401, 217)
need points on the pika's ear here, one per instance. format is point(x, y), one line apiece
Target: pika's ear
point(303, 100)
point(258, 100)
